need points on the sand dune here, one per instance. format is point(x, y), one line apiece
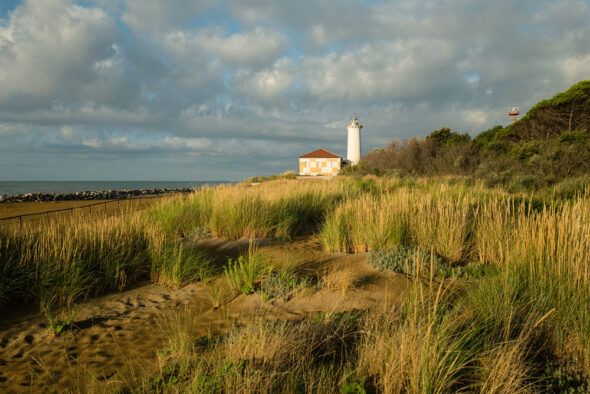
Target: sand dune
point(116, 337)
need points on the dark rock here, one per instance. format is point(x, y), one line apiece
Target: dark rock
point(91, 195)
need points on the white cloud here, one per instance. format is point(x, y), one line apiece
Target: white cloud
point(576, 68)
point(67, 132)
point(193, 144)
point(248, 49)
point(268, 86)
point(265, 80)
point(48, 49)
point(476, 118)
point(92, 143)
point(154, 16)
point(397, 70)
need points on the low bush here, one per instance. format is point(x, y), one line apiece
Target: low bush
point(247, 272)
point(412, 261)
point(281, 283)
point(407, 260)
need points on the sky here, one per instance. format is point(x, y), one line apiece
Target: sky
point(223, 90)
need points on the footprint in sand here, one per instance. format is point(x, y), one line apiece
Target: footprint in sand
point(160, 298)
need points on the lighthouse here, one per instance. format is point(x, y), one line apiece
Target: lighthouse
point(354, 141)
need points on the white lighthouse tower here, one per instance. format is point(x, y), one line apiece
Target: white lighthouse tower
point(354, 141)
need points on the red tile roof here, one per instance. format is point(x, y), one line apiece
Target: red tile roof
point(320, 154)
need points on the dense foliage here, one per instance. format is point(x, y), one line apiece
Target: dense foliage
point(549, 144)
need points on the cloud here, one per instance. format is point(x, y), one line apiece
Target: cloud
point(576, 68)
point(270, 86)
point(155, 16)
point(249, 49)
point(67, 132)
point(48, 51)
point(234, 87)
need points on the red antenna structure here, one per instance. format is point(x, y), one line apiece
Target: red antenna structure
point(513, 113)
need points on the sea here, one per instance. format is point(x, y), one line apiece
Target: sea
point(11, 188)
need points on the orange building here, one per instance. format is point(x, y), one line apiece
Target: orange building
point(320, 162)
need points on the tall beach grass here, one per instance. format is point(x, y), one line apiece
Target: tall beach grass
point(65, 261)
point(279, 209)
point(500, 333)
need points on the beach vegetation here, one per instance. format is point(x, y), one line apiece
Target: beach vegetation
point(247, 272)
point(497, 303)
point(547, 146)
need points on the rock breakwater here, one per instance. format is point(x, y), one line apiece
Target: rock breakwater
point(92, 195)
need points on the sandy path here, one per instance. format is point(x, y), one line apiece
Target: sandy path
point(116, 336)
point(110, 332)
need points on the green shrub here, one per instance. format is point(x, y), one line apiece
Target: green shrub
point(572, 187)
point(289, 175)
point(573, 137)
point(521, 183)
point(247, 272)
point(558, 379)
point(406, 260)
point(526, 150)
point(281, 283)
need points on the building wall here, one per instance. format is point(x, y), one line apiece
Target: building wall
point(319, 166)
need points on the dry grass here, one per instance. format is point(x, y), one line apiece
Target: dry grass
point(218, 292)
point(428, 219)
point(341, 277)
point(71, 259)
point(489, 335)
point(254, 357)
point(368, 222)
point(427, 344)
point(180, 332)
point(413, 348)
point(281, 209)
point(504, 370)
